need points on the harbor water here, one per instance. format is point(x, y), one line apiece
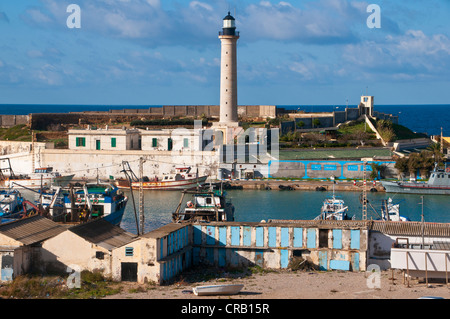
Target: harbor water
point(257, 205)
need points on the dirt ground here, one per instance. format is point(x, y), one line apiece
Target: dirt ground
point(298, 285)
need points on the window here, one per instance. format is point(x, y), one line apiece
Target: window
point(129, 251)
point(169, 144)
point(154, 142)
point(186, 142)
point(80, 141)
point(99, 255)
point(323, 238)
point(113, 142)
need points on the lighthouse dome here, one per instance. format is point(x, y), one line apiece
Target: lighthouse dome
point(229, 25)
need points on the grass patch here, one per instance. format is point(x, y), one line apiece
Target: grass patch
point(16, 133)
point(93, 285)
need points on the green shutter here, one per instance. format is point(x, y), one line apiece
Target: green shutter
point(154, 142)
point(186, 142)
point(169, 144)
point(113, 142)
point(80, 141)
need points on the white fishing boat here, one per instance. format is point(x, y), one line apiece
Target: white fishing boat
point(391, 212)
point(213, 290)
point(334, 208)
point(41, 177)
point(183, 178)
point(205, 205)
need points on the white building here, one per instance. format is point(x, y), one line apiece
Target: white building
point(104, 139)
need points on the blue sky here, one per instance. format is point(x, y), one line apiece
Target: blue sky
point(154, 52)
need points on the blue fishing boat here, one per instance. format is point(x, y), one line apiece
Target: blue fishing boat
point(83, 202)
point(96, 200)
point(10, 204)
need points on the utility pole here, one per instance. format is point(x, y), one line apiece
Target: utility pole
point(442, 142)
point(141, 194)
point(33, 145)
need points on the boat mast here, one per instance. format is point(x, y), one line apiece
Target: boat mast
point(364, 200)
point(141, 193)
point(423, 225)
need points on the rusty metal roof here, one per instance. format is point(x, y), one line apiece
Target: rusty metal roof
point(31, 230)
point(412, 228)
point(323, 223)
point(103, 233)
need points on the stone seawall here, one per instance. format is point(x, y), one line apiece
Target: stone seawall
point(305, 185)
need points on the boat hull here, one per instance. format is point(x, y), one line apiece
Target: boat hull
point(161, 185)
point(415, 188)
point(36, 183)
point(217, 290)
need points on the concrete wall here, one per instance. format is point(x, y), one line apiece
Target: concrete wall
point(68, 249)
point(7, 121)
point(84, 164)
point(325, 169)
point(273, 245)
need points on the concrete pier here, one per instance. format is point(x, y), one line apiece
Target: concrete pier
point(306, 185)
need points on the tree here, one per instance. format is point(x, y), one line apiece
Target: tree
point(300, 124)
point(316, 122)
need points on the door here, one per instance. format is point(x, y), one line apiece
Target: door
point(97, 145)
point(129, 272)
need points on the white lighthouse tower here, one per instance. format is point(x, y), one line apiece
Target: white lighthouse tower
point(228, 122)
point(228, 72)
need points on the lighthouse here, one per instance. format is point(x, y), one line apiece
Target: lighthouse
point(228, 73)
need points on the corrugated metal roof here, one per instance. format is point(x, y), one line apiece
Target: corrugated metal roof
point(412, 228)
point(103, 233)
point(31, 230)
point(322, 223)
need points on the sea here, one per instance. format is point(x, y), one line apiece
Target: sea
point(258, 205)
point(421, 118)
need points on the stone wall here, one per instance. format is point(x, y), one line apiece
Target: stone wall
point(13, 120)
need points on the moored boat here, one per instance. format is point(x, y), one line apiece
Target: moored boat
point(10, 202)
point(333, 208)
point(205, 205)
point(183, 178)
point(438, 184)
point(41, 177)
point(391, 212)
point(82, 202)
point(97, 200)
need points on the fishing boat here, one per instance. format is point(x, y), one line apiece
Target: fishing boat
point(205, 205)
point(42, 177)
point(82, 202)
point(183, 178)
point(10, 202)
point(333, 208)
point(213, 290)
point(391, 212)
point(438, 184)
point(94, 200)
